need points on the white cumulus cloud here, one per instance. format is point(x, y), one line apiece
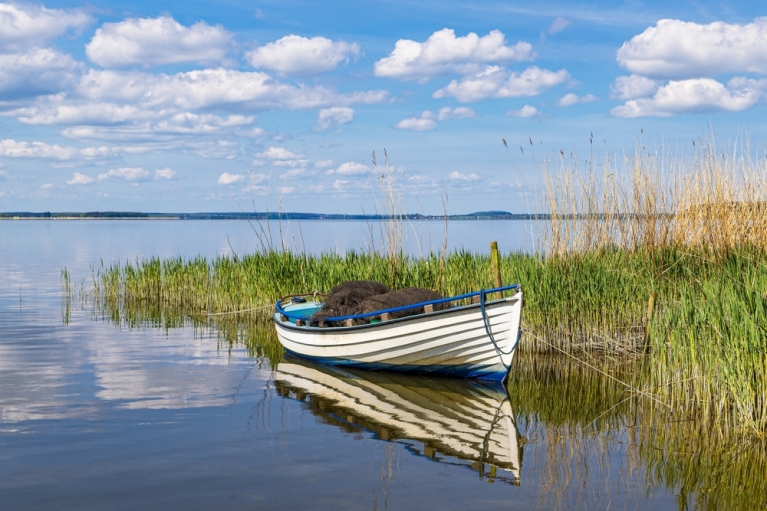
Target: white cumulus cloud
point(335, 116)
point(36, 71)
point(457, 176)
point(25, 25)
point(296, 55)
point(80, 179)
point(573, 99)
point(281, 157)
point(167, 173)
point(443, 53)
point(351, 168)
point(113, 97)
point(525, 112)
point(497, 82)
point(278, 153)
point(157, 41)
point(447, 113)
point(20, 149)
point(126, 174)
point(695, 95)
point(298, 173)
point(226, 178)
point(680, 49)
point(424, 123)
point(632, 87)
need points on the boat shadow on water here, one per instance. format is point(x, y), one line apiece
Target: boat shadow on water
point(458, 422)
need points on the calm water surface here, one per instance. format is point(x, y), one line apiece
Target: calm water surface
point(95, 415)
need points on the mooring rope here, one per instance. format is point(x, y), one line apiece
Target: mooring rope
point(239, 311)
point(647, 394)
point(486, 322)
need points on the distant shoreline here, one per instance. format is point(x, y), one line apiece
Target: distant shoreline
point(119, 215)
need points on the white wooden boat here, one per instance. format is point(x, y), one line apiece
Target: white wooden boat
point(457, 422)
point(475, 338)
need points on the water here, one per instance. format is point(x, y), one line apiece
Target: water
point(95, 415)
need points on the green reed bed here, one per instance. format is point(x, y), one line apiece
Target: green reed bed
point(576, 412)
point(689, 231)
point(707, 340)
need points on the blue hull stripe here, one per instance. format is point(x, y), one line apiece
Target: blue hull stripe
point(457, 371)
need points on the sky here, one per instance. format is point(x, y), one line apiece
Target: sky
point(312, 106)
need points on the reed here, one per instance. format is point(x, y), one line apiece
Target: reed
point(573, 419)
point(693, 228)
point(689, 232)
point(708, 330)
point(714, 198)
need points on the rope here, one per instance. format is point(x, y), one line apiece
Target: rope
point(486, 322)
point(646, 394)
point(239, 311)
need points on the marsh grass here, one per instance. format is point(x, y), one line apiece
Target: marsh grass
point(714, 198)
point(694, 229)
point(572, 420)
point(707, 336)
point(691, 232)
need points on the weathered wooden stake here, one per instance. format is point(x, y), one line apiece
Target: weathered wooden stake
point(650, 309)
point(496, 261)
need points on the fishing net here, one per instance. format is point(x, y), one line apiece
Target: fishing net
point(345, 298)
point(401, 298)
point(361, 296)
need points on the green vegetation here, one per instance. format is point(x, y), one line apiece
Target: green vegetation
point(571, 417)
point(686, 233)
point(708, 346)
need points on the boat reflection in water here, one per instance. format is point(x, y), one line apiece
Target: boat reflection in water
point(460, 422)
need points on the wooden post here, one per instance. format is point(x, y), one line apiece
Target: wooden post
point(428, 308)
point(650, 309)
point(385, 316)
point(496, 261)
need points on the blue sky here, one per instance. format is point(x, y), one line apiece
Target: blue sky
point(197, 106)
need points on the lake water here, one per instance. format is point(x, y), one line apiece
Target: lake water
point(96, 415)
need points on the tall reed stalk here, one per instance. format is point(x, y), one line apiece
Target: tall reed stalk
point(697, 228)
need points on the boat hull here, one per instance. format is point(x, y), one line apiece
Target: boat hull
point(452, 342)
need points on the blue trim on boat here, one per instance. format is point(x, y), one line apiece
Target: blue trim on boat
point(458, 371)
point(482, 292)
point(291, 324)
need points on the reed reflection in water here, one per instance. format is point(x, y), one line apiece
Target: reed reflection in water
point(588, 440)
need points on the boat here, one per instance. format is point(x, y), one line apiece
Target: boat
point(476, 337)
point(464, 423)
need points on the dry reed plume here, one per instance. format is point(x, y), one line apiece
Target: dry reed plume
point(715, 199)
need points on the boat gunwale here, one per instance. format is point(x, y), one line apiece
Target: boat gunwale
point(425, 315)
point(482, 293)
